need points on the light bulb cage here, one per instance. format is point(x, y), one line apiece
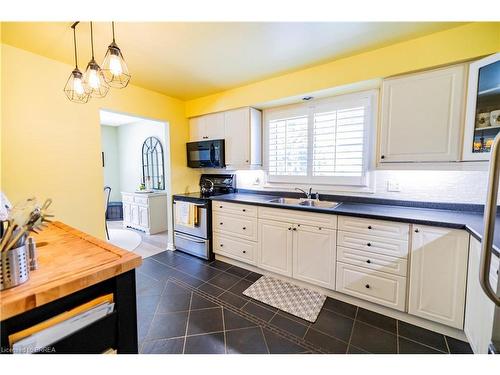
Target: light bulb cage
point(75, 79)
point(102, 87)
point(70, 91)
point(121, 79)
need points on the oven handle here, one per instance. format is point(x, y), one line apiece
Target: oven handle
point(195, 204)
point(187, 238)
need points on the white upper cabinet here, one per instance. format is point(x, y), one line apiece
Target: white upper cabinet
point(214, 126)
point(206, 127)
point(422, 116)
point(241, 130)
point(438, 274)
point(196, 129)
point(243, 137)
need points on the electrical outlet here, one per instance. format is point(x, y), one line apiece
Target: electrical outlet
point(393, 185)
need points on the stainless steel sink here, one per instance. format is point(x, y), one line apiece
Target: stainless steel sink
point(291, 201)
point(318, 204)
point(304, 202)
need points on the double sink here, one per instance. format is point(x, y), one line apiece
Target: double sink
point(305, 202)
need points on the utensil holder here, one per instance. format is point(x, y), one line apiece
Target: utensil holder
point(14, 267)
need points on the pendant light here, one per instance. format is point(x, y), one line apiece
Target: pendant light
point(74, 89)
point(114, 67)
point(94, 83)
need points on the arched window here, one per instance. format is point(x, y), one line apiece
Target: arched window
point(152, 163)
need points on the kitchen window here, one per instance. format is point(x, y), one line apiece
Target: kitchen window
point(324, 142)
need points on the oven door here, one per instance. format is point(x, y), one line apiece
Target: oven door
point(199, 230)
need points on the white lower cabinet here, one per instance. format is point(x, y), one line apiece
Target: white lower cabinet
point(314, 255)
point(145, 212)
point(378, 287)
point(365, 258)
point(275, 247)
point(438, 274)
point(479, 310)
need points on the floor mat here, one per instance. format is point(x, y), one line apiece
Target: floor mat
point(295, 300)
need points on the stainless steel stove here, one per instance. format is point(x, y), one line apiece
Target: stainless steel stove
point(196, 238)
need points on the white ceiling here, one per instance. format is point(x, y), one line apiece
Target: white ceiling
point(189, 60)
point(110, 118)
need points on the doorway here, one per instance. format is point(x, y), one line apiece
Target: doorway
point(136, 170)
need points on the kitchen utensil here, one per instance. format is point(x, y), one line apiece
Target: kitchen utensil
point(14, 267)
point(495, 118)
point(16, 237)
point(32, 254)
point(8, 232)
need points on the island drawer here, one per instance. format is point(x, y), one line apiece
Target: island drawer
point(379, 245)
point(378, 287)
point(242, 250)
point(242, 227)
point(380, 228)
point(234, 208)
point(374, 261)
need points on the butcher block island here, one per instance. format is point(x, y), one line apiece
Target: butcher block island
point(77, 276)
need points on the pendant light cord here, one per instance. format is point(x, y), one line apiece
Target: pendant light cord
point(92, 39)
point(74, 43)
point(113, 28)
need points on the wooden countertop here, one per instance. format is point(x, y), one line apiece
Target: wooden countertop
point(69, 261)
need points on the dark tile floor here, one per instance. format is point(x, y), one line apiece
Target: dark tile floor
point(187, 305)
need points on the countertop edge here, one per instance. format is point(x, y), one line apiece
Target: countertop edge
point(334, 211)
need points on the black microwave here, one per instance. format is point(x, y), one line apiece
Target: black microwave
point(206, 154)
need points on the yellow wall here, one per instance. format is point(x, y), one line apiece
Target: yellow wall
point(51, 147)
point(457, 44)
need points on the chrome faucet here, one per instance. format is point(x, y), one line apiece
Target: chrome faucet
point(308, 195)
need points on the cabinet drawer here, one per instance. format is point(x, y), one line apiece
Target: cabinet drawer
point(128, 198)
point(380, 228)
point(299, 217)
point(374, 261)
point(373, 286)
point(234, 208)
point(242, 227)
point(242, 250)
point(141, 200)
point(379, 245)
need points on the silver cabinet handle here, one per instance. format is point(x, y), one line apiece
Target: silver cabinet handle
point(490, 212)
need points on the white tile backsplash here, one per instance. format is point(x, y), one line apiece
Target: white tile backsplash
point(430, 185)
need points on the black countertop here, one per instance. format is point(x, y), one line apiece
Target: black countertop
point(472, 221)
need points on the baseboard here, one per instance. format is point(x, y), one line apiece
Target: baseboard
point(403, 316)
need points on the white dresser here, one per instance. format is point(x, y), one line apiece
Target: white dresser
point(145, 211)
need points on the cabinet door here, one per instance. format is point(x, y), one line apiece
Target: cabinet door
point(126, 213)
point(275, 247)
point(314, 255)
point(421, 116)
point(143, 217)
point(479, 310)
point(438, 274)
point(197, 129)
point(214, 126)
point(134, 213)
point(237, 137)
